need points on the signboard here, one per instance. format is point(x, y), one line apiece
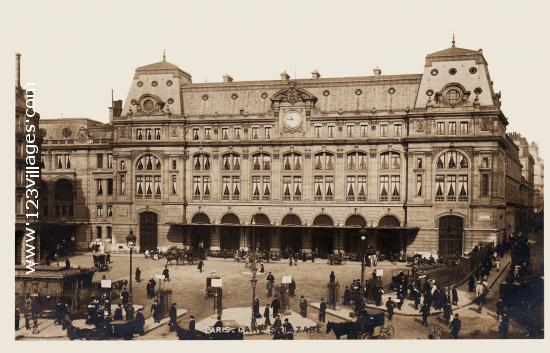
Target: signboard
point(216, 282)
point(159, 276)
point(105, 283)
point(286, 280)
point(379, 272)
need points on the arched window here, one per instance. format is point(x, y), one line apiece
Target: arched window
point(201, 161)
point(261, 176)
point(292, 176)
point(323, 184)
point(63, 194)
point(292, 161)
point(390, 178)
point(148, 177)
point(356, 184)
point(451, 178)
point(231, 161)
point(324, 161)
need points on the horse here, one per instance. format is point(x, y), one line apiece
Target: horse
point(348, 329)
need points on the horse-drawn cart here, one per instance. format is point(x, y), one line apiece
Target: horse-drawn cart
point(369, 326)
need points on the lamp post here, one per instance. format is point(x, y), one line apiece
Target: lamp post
point(131, 242)
point(253, 269)
point(363, 234)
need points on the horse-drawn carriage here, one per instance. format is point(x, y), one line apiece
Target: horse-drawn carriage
point(179, 256)
point(101, 262)
point(368, 326)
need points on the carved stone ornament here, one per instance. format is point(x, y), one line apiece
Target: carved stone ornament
point(372, 153)
point(419, 126)
point(486, 124)
point(174, 132)
point(83, 134)
point(122, 131)
point(66, 132)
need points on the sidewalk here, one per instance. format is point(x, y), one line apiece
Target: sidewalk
point(465, 297)
point(50, 331)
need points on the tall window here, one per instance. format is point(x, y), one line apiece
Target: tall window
point(255, 132)
point(261, 161)
point(292, 161)
point(390, 179)
point(261, 177)
point(196, 134)
point(383, 130)
point(148, 179)
point(157, 134)
point(484, 188)
point(464, 127)
point(323, 187)
point(292, 176)
point(109, 210)
point(99, 186)
point(99, 210)
point(397, 130)
point(356, 185)
point(201, 161)
point(364, 130)
point(174, 184)
point(349, 130)
point(390, 160)
point(225, 133)
point(148, 134)
point(207, 133)
point(139, 134)
point(330, 131)
point(231, 187)
point(237, 133)
point(109, 186)
point(419, 185)
point(317, 131)
point(452, 128)
point(440, 128)
point(68, 161)
point(451, 179)
point(231, 161)
point(123, 185)
point(100, 160)
point(267, 132)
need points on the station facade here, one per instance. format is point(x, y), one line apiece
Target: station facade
point(422, 161)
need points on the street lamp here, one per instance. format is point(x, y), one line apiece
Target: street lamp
point(363, 235)
point(253, 269)
point(131, 242)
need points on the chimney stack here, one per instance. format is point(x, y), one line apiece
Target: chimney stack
point(17, 70)
point(315, 74)
point(285, 76)
point(227, 78)
point(377, 71)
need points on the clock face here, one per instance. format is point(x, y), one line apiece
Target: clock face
point(293, 120)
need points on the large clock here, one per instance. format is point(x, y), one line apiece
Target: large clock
point(293, 120)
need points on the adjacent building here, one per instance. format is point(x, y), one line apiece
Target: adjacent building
point(423, 161)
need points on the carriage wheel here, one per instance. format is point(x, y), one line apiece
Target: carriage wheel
point(435, 332)
point(387, 333)
point(365, 336)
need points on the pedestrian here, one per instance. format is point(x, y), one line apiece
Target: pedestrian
point(192, 326)
point(290, 260)
point(390, 305)
point(35, 311)
point(173, 317)
point(447, 312)
point(262, 270)
point(200, 266)
point(480, 291)
point(58, 313)
point(129, 309)
point(270, 280)
point(400, 296)
point(155, 311)
point(138, 275)
point(256, 308)
point(275, 305)
point(166, 273)
point(425, 311)
point(416, 298)
point(347, 295)
point(322, 310)
point(471, 283)
point(125, 296)
point(218, 323)
point(332, 277)
point(118, 313)
point(504, 325)
point(267, 321)
point(454, 295)
point(67, 263)
point(288, 330)
point(17, 318)
point(378, 296)
point(292, 288)
point(455, 326)
point(140, 320)
point(303, 306)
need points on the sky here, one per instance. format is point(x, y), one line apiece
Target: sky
point(76, 52)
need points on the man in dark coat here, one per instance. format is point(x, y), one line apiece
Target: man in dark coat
point(192, 325)
point(390, 305)
point(124, 295)
point(266, 316)
point(332, 278)
point(166, 273)
point(500, 308)
point(129, 312)
point(400, 296)
point(155, 311)
point(200, 266)
point(118, 313)
point(173, 317)
point(256, 308)
point(447, 312)
point(416, 297)
point(471, 283)
point(303, 306)
point(270, 280)
point(138, 275)
point(378, 296)
point(347, 295)
point(58, 313)
point(67, 263)
point(140, 320)
point(455, 326)
point(454, 295)
point(288, 329)
point(425, 311)
point(218, 323)
point(322, 310)
point(17, 318)
point(275, 305)
point(504, 325)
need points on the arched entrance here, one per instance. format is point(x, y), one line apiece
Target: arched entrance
point(230, 232)
point(200, 231)
point(148, 227)
point(352, 241)
point(323, 236)
point(390, 241)
point(451, 230)
point(262, 235)
point(291, 238)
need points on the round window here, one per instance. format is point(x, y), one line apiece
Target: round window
point(205, 97)
point(391, 90)
point(234, 96)
point(473, 70)
point(358, 92)
point(154, 83)
point(148, 105)
point(453, 96)
point(478, 90)
point(326, 93)
point(452, 71)
point(170, 100)
point(140, 83)
point(264, 95)
point(169, 83)
point(429, 93)
point(434, 72)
